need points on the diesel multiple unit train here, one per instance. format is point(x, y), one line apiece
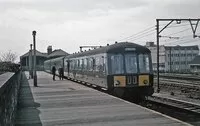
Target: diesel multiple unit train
point(123, 68)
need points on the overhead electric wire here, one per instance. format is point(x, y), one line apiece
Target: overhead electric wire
point(180, 38)
point(149, 31)
point(139, 37)
point(171, 40)
point(179, 31)
point(138, 34)
point(183, 40)
point(186, 41)
point(145, 33)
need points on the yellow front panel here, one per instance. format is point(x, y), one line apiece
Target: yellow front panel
point(120, 80)
point(143, 80)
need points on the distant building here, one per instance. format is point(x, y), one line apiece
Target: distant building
point(25, 59)
point(57, 53)
point(195, 65)
point(173, 58)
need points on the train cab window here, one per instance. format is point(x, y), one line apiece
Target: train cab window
point(117, 64)
point(144, 63)
point(131, 63)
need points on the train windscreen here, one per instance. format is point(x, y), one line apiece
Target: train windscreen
point(144, 64)
point(131, 63)
point(117, 65)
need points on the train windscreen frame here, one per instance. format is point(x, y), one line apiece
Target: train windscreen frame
point(130, 63)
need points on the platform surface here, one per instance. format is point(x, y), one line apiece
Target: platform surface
point(66, 103)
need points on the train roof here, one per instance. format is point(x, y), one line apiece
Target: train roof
point(114, 48)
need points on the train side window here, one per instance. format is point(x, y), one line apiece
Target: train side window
point(102, 65)
point(90, 64)
point(98, 64)
point(78, 64)
point(81, 64)
point(93, 64)
point(72, 65)
point(85, 64)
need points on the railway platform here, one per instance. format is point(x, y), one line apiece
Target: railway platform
point(64, 102)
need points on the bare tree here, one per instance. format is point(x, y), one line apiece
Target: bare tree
point(8, 57)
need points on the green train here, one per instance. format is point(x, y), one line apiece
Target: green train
point(123, 68)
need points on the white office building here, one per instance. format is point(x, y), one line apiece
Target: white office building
point(173, 58)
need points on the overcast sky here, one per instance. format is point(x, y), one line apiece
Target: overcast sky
point(67, 24)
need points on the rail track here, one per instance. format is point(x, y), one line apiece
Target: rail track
point(186, 82)
point(179, 76)
point(176, 104)
point(180, 85)
point(179, 109)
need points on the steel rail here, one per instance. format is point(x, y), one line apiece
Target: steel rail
point(176, 104)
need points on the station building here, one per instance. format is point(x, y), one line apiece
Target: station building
point(26, 59)
point(173, 58)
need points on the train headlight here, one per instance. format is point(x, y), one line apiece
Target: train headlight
point(116, 82)
point(145, 82)
point(119, 81)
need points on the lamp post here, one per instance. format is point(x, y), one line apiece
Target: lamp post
point(30, 62)
point(34, 66)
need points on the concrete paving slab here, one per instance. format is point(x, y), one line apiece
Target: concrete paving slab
point(63, 102)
